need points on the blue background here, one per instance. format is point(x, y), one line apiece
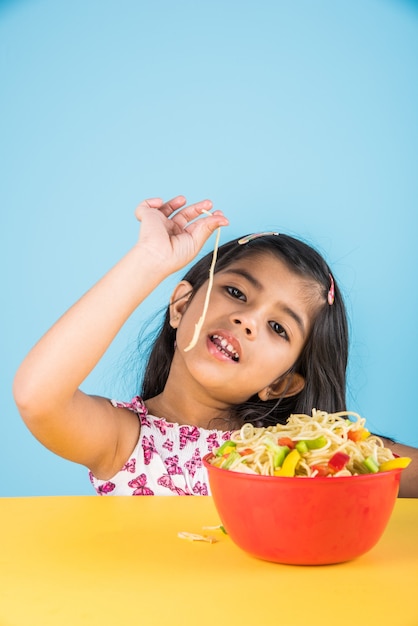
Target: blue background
point(298, 116)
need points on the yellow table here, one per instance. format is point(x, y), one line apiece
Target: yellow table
point(118, 560)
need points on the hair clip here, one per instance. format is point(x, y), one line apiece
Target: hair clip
point(331, 292)
point(248, 238)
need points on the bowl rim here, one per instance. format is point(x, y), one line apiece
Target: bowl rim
point(317, 479)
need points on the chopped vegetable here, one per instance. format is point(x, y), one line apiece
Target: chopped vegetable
point(399, 463)
point(338, 461)
point(279, 452)
point(321, 469)
point(229, 459)
point(358, 434)
point(246, 451)
point(371, 465)
point(302, 447)
point(225, 448)
point(314, 444)
point(289, 465)
point(286, 441)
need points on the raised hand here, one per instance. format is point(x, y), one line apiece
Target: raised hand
point(171, 232)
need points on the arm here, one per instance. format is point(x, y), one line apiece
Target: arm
point(409, 480)
point(82, 428)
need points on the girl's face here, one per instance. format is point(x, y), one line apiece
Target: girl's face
point(257, 323)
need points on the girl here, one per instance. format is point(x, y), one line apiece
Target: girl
point(274, 341)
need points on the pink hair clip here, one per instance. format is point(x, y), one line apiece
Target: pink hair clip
point(248, 238)
point(331, 292)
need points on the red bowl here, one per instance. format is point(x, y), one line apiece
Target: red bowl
point(303, 521)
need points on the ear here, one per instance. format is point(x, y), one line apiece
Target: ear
point(289, 385)
point(179, 301)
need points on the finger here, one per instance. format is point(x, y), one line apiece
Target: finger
point(202, 229)
point(172, 205)
point(192, 211)
point(149, 203)
point(166, 208)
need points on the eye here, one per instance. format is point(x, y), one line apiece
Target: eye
point(279, 330)
point(235, 293)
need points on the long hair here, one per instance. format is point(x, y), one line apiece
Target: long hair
point(323, 360)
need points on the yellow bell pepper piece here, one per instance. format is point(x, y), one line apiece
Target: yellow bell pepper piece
point(225, 448)
point(399, 463)
point(289, 464)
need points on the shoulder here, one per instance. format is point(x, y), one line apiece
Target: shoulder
point(127, 418)
point(136, 405)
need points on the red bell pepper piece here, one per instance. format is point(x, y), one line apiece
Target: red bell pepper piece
point(246, 451)
point(321, 469)
point(338, 461)
point(286, 441)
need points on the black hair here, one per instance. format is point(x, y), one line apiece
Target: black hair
point(323, 360)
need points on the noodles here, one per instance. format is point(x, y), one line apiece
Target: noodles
point(199, 324)
point(323, 444)
point(196, 537)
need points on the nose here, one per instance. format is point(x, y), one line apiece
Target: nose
point(248, 323)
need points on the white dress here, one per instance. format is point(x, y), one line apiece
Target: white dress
point(166, 461)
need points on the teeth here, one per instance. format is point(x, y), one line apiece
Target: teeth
point(226, 347)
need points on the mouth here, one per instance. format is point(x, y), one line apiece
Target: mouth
point(225, 347)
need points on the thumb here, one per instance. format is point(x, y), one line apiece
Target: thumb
point(149, 203)
point(203, 228)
